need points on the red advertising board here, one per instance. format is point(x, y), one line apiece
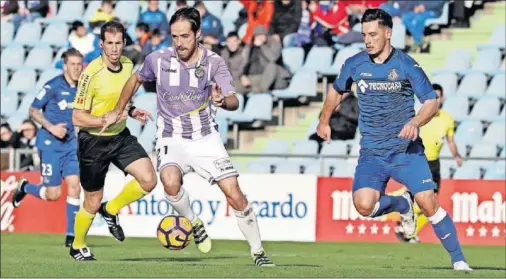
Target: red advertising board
point(477, 207)
point(34, 215)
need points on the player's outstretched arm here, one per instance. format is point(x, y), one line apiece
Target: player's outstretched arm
point(330, 104)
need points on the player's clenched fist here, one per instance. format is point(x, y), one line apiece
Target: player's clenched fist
point(59, 130)
point(323, 131)
point(217, 97)
point(409, 131)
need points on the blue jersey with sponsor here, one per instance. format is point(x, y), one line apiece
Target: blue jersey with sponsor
point(55, 99)
point(385, 97)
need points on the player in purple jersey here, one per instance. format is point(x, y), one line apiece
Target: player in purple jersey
point(191, 83)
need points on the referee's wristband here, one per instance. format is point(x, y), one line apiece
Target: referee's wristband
point(130, 110)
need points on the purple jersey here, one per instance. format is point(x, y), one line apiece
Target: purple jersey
point(185, 108)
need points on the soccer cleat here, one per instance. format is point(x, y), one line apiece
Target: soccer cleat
point(69, 239)
point(200, 236)
point(261, 259)
point(408, 219)
point(112, 222)
point(461, 266)
point(81, 254)
point(19, 194)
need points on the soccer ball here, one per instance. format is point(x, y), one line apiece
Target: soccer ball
point(175, 232)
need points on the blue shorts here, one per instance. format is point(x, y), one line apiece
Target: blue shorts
point(56, 165)
point(409, 168)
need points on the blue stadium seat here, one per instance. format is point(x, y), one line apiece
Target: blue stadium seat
point(227, 114)
point(149, 130)
point(28, 34)
point(4, 78)
point(258, 107)
point(497, 39)
point(25, 105)
point(313, 170)
point(304, 162)
point(486, 108)
point(503, 154)
point(456, 61)
point(461, 147)
point(305, 147)
point(487, 61)
point(293, 58)
point(469, 132)
point(258, 167)
point(7, 33)
point(467, 171)
point(318, 59)
point(448, 81)
point(134, 126)
point(355, 149)
point(446, 165)
point(303, 83)
point(398, 39)
point(496, 133)
point(330, 166)
point(443, 19)
point(483, 150)
point(55, 35)
point(128, 11)
point(9, 104)
point(457, 106)
point(287, 168)
point(22, 81)
point(242, 30)
point(341, 57)
point(496, 171)
point(228, 26)
point(223, 129)
point(12, 57)
point(231, 12)
point(214, 7)
point(335, 148)
point(39, 58)
point(69, 11)
point(276, 147)
point(46, 76)
point(473, 85)
point(483, 165)
point(496, 87)
point(347, 170)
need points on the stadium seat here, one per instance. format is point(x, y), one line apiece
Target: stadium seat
point(483, 165)
point(497, 39)
point(448, 81)
point(22, 81)
point(445, 168)
point(223, 129)
point(458, 60)
point(68, 12)
point(92, 7)
point(335, 148)
point(214, 7)
point(4, 78)
point(473, 85)
point(503, 154)
point(128, 11)
point(355, 150)
point(39, 58)
point(443, 19)
point(12, 57)
point(312, 128)
point(293, 58)
point(496, 87)
point(496, 133)
point(258, 107)
point(228, 26)
point(398, 39)
point(242, 30)
point(258, 167)
point(469, 132)
point(313, 170)
point(231, 11)
point(318, 59)
point(487, 61)
point(346, 170)
point(305, 147)
point(227, 114)
point(25, 105)
point(341, 56)
point(496, 171)
point(28, 34)
point(287, 168)
point(7, 33)
point(446, 153)
point(330, 166)
point(55, 35)
point(146, 101)
point(149, 130)
point(276, 147)
point(467, 171)
point(17, 118)
point(134, 126)
point(303, 162)
point(486, 108)
point(46, 76)
point(9, 104)
point(483, 150)
point(457, 106)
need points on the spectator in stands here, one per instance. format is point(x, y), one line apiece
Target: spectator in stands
point(155, 43)
point(6, 136)
point(211, 25)
point(24, 137)
point(344, 120)
point(81, 39)
point(102, 15)
point(259, 13)
point(461, 12)
point(358, 7)
point(286, 19)
point(134, 51)
point(235, 56)
point(262, 71)
point(181, 4)
point(331, 19)
point(156, 19)
point(27, 11)
point(303, 35)
point(211, 42)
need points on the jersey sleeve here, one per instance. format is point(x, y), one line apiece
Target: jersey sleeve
point(43, 97)
point(223, 78)
point(419, 82)
point(85, 92)
point(344, 80)
point(451, 126)
point(147, 71)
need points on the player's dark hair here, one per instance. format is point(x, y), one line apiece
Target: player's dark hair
point(70, 52)
point(192, 15)
point(112, 27)
point(144, 27)
point(380, 15)
point(232, 34)
point(156, 32)
point(436, 86)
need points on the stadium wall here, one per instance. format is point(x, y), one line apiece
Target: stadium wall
point(289, 208)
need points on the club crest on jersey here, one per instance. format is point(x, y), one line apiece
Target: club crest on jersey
point(393, 75)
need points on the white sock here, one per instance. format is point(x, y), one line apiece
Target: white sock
point(181, 203)
point(247, 221)
point(438, 216)
point(42, 193)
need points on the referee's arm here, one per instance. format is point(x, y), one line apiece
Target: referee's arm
point(81, 114)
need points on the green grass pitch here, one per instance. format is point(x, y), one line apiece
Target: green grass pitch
point(31, 255)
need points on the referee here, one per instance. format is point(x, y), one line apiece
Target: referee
point(98, 92)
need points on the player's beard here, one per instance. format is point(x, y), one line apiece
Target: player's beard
point(186, 56)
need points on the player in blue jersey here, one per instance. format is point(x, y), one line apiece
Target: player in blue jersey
point(387, 79)
point(56, 141)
